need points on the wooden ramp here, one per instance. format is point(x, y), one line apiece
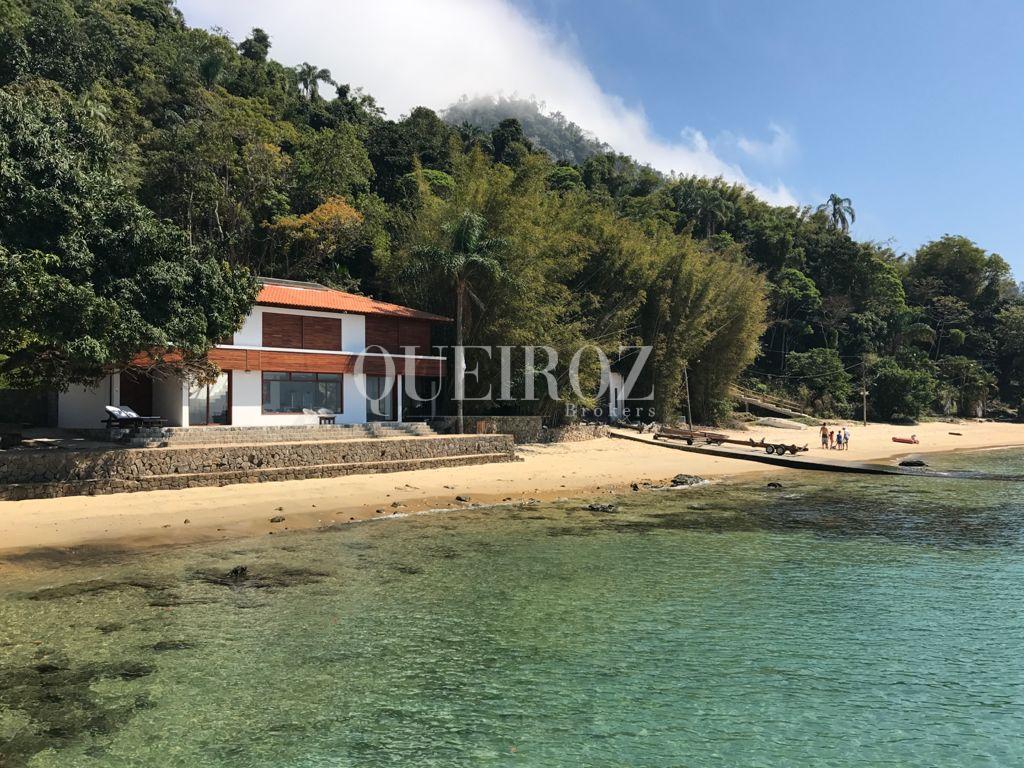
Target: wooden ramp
point(790, 462)
point(768, 403)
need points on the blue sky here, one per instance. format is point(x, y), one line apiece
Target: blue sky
point(912, 109)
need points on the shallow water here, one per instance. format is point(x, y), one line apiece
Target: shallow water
point(838, 621)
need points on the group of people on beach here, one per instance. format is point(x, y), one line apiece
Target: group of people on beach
point(837, 439)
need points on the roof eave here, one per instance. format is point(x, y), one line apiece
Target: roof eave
point(417, 316)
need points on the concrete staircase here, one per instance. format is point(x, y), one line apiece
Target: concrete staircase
point(170, 437)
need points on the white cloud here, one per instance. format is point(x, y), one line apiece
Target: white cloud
point(775, 151)
point(408, 53)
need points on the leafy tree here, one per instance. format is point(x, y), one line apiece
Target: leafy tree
point(256, 46)
point(795, 301)
point(957, 267)
point(970, 384)
point(896, 391)
point(319, 243)
point(564, 177)
point(328, 163)
point(819, 377)
point(88, 277)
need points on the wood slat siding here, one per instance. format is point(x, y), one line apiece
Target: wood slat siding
point(321, 333)
point(313, 362)
point(301, 331)
point(413, 333)
point(382, 332)
point(280, 330)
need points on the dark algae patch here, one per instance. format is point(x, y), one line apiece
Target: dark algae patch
point(269, 576)
point(57, 699)
point(97, 587)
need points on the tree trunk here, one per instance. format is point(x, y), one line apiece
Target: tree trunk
point(460, 367)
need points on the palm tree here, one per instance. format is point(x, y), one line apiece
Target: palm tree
point(712, 210)
point(467, 258)
point(839, 211)
point(310, 76)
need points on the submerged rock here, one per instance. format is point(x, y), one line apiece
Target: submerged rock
point(683, 480)
point(602, 507)
point(775, 486)
point(913, 463)
point(172, 645)
point(646, 485)
point(269, 576)
point(277, 519)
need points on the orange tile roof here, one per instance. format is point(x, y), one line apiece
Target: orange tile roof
point(327, 300)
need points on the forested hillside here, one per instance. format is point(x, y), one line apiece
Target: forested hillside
point(553, 132)
point(149, 170)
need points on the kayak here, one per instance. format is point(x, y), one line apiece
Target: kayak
point(912, 440)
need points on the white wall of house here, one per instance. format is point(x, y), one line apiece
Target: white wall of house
point(353, 328)
point(353, 400)
point(170, 400)
point(82, 407)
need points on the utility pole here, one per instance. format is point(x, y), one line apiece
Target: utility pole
point(864, 390)
point(686, 378)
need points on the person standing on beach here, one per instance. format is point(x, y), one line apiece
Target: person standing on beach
point(831, 440)
point(824, 435)
point(839, 439)
point(846, 439)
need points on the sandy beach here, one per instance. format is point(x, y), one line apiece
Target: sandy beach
point(586, 469)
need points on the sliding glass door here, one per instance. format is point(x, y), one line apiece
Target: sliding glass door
point(210, 403)
point(380, 400)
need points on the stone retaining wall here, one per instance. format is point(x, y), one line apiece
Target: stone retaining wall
point(524, 429)
point(575, 433)
point(43, 473)
point(530, 429)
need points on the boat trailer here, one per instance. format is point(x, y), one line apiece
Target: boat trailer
point(715, 438)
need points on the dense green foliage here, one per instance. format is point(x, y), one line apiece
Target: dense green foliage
point(214, 159)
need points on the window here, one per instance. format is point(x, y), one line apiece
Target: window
point(380, 399)
point(294, 392)
point(210, 403)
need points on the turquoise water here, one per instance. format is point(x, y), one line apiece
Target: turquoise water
point(836, 622)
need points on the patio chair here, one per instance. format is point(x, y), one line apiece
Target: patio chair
point(123, 417)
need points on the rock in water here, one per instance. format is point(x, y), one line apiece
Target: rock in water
point(913, 463)
point(775, 486)
point(602, 507)
point(277, 519)
point(238, 573)
point(679, 480)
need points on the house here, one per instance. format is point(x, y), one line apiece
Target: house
point(304, 348)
